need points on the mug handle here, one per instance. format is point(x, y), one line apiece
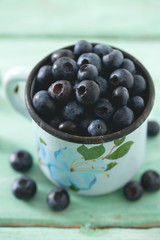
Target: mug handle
point(14, 90)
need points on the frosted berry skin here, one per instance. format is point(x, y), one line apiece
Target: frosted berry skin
point(153, 128)
point(82, 47)
point(21, 160)
point(61, 90)
point(68, 127)
point(150, 181)
point(122, 118)
point(139, 86)
point(113, 60)
point(58, 199)
point(128, 65)
point(87, 71)
point(64, 68)
point(133, 191)
point(137, 104)
point(104, 109)
point(90, 58)
point(102, 49)
point(72, 111)
point(87, 92)
point(61, 53)
point(120, 97)
point(97, 128)
point(44, 77)
point(121, 77)
point(103, 86)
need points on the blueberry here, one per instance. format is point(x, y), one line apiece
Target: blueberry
point(153, 128)
point(82, 47)
point(87, 71)
point(61, 90)
point(139, 86)
point(103, 85)
point(102, 49)
point(72, 111)
point(44, 104)
point(133, 191)
point(21, 160)
point(123, 117)
point(68, 127)
point(64, 68)
point(121, 77)
point(104, 109)
point(113, 60)
point(120, 97)
point(90, 58)
point(44, 77)
point(58, 199)
point(24, 188)
point(84, 123)
point(128, 65)
point(137, 104)
point(87, 92)
point(55, 121)
point(61, 53)
point(97, 128)
point(150, 181)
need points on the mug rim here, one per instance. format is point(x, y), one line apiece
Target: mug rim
point(85, 139)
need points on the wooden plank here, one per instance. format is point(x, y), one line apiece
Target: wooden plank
point(62, 18)
point(16, 133)
point(75, 234)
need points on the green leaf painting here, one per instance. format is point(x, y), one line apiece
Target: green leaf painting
point(91, 153)
point(119, 141)
point(42, 141)
point(73, 188)
point(121, 151)
point(110, 166)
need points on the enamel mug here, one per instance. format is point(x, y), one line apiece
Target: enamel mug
point(86, 165)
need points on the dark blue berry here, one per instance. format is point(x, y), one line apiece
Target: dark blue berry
point(113, 60)
point(64, 68)
point(129, 65)
point(55, 121)
point(139, 86)
point(60, 90)
point(61, 53)
point(24, 188)
point(87, 71)
point(44, 77)
point(72, 111)
point(133, 191)
point(87, 92)
point(104, 109)
point(120, 97)
point(58, 199)
point(97, 128)
point(82, 47)
point(150, 181)
point(21, 160)
point(121, 77)
point(90, 58)
point(102, 49)
point(123, 117)
point(137, 104)
point(103, 85)
point(44, 104)
point(68, 127)
point(84, 123)
point(153, 128)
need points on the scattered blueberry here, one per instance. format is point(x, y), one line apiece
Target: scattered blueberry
point(24, 188)
point(61, 90)
point(87, 92)
point(153, 128)
point(103, 85)
point(133, 191)
point(72, 111)
point(58, 199)
point(44, 77)
point(97, 128)
point(123, 117)
point(44, 104)
point(87, 71)
point(113, 60)
point(82, 47)
point(102, 49)
point(121, 77)
point(128, 65)
point(120, 96)
point(90, 58)
point(139, 86)
point(150, 181)
point(61, 53)
point(104, 109)
point(21, 160)
point(64, 68)
point(68, 127)
point(137, 104)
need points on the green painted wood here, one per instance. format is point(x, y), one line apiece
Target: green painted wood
point(72, 234)
point(125, 18)
point(16, 133)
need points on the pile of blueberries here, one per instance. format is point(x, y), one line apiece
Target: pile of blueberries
point(91, 90)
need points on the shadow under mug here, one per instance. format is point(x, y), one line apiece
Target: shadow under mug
point(86, 165)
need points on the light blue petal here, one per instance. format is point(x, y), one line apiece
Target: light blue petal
point(82, 180)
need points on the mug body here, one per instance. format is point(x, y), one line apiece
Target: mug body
point(90, 169)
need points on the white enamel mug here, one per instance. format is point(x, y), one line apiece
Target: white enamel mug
point(86, 165)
